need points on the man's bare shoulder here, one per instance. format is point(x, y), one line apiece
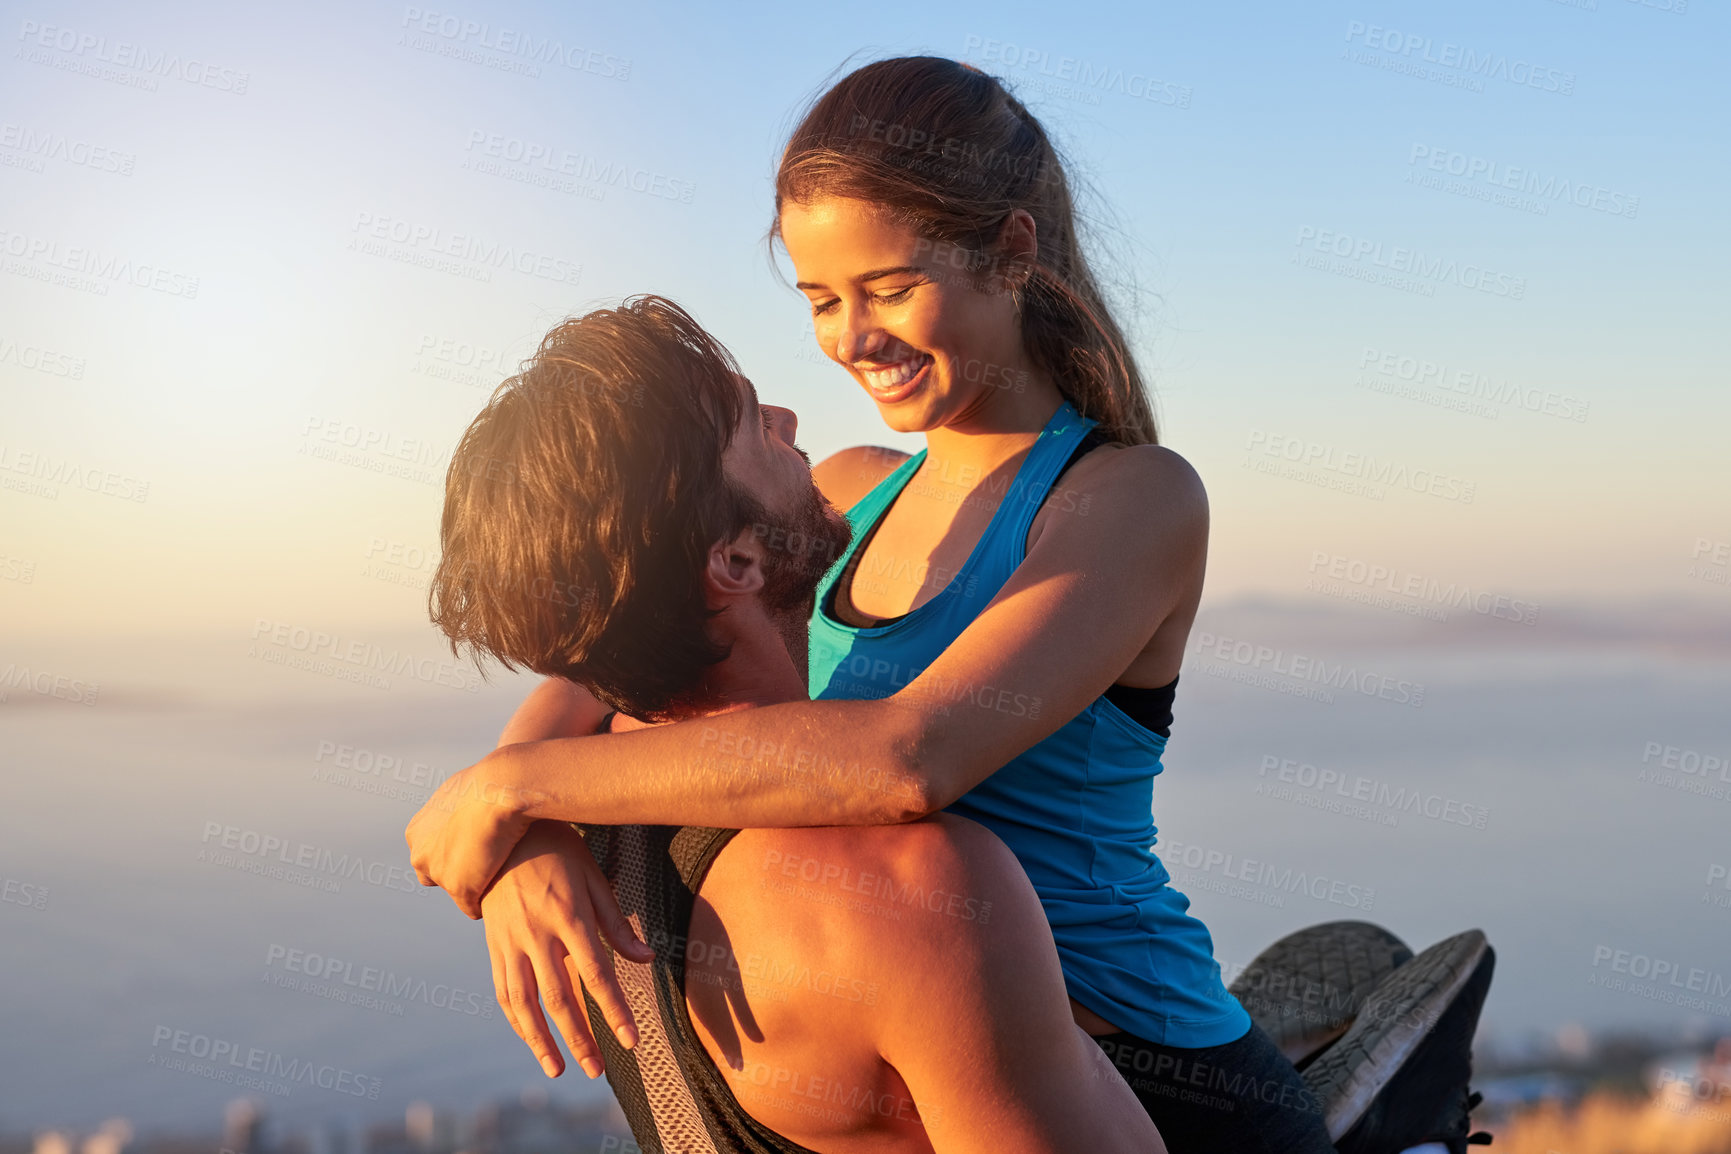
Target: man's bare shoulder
point(792, 968)
point(829, 890)
point(841, 933)
point(869, 884)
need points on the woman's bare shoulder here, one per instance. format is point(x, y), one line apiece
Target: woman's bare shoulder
point(844, 477)
point(1150, 477)
point(1122, 501)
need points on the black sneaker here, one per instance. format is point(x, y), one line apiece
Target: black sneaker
point(1454, 1126)
point(1306, 989)
point(1398, 1076)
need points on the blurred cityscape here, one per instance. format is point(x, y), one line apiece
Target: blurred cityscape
point(531, 1124)
point(1571, 1093)
point(1621, 1093)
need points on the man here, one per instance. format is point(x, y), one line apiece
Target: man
point(626, 517)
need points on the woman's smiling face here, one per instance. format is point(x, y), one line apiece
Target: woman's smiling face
point(903, 314)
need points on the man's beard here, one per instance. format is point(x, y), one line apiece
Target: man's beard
point(799, 547)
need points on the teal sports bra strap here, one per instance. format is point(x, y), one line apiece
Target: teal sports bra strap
point(866, 510)
point(1015, 511)
point(1007, 535)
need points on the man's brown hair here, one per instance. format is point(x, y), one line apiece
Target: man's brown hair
point(581, 504)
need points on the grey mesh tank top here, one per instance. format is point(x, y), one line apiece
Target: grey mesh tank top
point(673, 1096)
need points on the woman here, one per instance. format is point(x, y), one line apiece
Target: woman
point(1003, 639)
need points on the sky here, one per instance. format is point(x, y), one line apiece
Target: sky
point(1554, 429)
point(1426, 293)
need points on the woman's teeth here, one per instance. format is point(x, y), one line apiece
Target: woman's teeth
point(893, 377)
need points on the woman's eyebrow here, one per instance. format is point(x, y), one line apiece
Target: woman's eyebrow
point(874, 274)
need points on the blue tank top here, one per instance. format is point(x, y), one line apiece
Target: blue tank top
point(1077, 808)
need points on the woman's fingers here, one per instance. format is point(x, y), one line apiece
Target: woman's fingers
point(523, 1002)
point(501, 981)
point(547, 949)
point(565, 1004)
point(614, 924)
point(594, 968)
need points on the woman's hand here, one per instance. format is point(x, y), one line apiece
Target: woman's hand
point(462, 836)
point(541, 918)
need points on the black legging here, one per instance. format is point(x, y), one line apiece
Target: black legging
point(1243, 1097)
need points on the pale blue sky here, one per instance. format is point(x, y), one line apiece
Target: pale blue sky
point(1264, 140)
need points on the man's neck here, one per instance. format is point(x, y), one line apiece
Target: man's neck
point(765, 666)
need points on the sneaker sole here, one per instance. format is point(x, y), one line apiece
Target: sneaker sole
point(1394, 1022)
point(1305, 990)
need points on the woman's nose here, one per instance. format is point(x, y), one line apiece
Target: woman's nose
point(852, 344)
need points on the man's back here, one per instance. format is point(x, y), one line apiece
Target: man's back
point(895, 988)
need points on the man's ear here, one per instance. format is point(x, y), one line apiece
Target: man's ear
point(735, 568)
